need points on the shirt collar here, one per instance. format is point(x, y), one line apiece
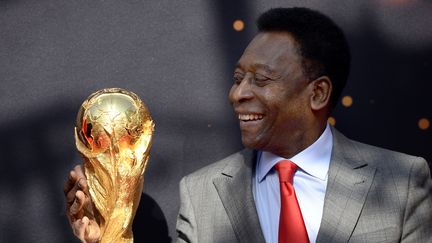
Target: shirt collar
point(314, 160)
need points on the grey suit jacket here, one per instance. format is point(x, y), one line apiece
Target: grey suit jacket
point(373, 195)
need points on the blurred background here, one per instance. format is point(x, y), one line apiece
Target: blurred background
point(178, 56)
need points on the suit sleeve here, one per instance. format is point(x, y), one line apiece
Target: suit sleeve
point(186, 225)
point(418, 211)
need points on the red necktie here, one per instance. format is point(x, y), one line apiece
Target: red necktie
point(291, 225)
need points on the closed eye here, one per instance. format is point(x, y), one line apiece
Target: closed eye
point(261, 80)
point(238, 77)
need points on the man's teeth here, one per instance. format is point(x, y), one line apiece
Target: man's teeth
point(249, 117)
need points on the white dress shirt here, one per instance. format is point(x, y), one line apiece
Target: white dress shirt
point(310, 182)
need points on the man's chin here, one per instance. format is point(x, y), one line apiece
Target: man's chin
point(251, 143)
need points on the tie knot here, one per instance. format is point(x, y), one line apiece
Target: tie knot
point(286, 170)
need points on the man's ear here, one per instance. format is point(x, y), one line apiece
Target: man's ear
point(322, 89)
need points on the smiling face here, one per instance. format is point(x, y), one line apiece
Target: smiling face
point(272, 96)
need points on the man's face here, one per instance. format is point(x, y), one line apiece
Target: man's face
point(271, 94)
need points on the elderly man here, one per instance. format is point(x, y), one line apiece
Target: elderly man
point(298, 180)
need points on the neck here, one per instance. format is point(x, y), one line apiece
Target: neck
point(299, 141)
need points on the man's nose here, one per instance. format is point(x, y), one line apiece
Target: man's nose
point(242, 91)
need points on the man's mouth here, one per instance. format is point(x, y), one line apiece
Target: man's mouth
point(250, 117)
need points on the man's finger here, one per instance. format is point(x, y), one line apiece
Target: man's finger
point(82, 184)
point(70, 182)
point(92, 231)
point(79, 227)
point(76, 208)
point(79, 170)
point(70, 196)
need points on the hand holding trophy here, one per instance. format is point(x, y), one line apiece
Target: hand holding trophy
point(114, 133)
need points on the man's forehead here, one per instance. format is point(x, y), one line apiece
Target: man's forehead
point(282, 38)
point(256, 65)
point(267, 49)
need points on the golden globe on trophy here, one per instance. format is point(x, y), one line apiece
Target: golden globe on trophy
point(114, 134)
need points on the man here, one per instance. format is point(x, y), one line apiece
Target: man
point(285, 84)
point(338, 190)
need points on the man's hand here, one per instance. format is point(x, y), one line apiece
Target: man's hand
point(79, 207)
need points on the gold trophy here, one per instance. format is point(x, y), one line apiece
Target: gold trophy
point(114, 133)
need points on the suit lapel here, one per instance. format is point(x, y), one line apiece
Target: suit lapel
point(234, 187)
point(349, 182)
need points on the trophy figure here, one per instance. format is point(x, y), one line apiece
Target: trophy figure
point(114, 133)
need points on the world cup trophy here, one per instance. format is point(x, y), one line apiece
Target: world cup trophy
point(114, 134)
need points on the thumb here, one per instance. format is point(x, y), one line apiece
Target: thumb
point(92, 231)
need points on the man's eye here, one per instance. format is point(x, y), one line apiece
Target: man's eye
point(261, 78)
point(238, 78)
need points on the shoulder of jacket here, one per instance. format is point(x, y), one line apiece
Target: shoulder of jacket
point(214, 169)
